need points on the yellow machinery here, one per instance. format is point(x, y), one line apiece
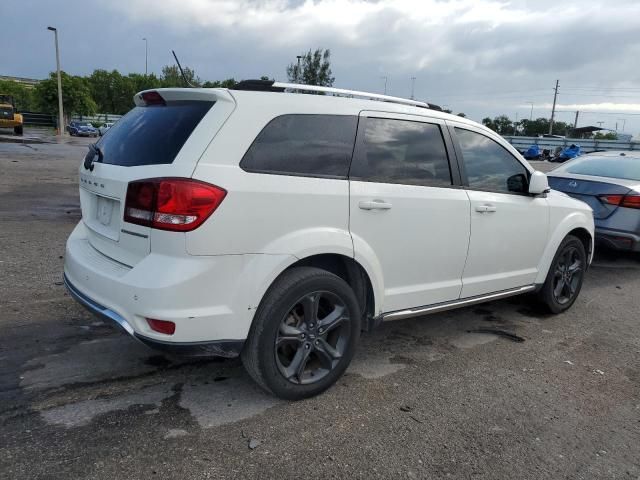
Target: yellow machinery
point(9, 118)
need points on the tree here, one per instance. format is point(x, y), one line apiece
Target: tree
point(23, 96)
point(315, 69)
point(171, 77)
point(228, 83)
point(540, 126)
point(605, 136)
point(463, 115)
point(76, 95)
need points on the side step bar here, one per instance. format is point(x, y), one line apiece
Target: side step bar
point(464, 302)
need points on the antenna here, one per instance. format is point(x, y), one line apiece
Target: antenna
point(184, 77)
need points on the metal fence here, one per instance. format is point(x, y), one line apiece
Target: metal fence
point(36, 119)
point(586, 145)
point(98, 117)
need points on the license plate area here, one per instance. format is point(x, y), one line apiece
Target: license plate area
point(104, 216)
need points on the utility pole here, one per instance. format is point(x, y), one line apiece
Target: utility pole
point(515, 126)
point(624, 122)
point(600, 124)
point(413, 84)
point(575, 122)
point(60, 113)
point(146, 55)
point(385, 84)
point(531, 114)
point(299, 57)
point(553, 110)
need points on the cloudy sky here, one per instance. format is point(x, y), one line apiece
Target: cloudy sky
point(481, 57)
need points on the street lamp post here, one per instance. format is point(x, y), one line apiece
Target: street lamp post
point(299, 57)
point(531, 114)
point(413, 84)
point(385, 84)
point(60, 112)
point(146, 55)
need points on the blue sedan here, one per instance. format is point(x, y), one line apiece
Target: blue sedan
point(82, 129)
point(610, 183)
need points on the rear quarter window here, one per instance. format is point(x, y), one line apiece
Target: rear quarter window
point(152, 135)
point(303, 145)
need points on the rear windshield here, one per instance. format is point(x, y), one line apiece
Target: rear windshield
point(627, 168)
point(151, 135)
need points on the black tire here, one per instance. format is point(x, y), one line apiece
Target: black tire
point(18, 130)
point(282, 332)
point(566, 274)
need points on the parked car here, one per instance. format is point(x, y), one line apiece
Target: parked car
point(104, 127)
point(277, 226)
point(610, 183)
point(82, 129)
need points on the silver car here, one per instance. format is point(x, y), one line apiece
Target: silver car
point(610, 183)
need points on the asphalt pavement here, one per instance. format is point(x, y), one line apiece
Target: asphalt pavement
point(424, 398)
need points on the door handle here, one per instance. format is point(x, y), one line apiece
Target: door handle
point(374, 205)
point(487, 208)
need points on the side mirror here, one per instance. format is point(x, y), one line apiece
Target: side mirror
point(538, 184)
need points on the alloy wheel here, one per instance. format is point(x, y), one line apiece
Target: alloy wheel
point(312, 337)
point(567, 275)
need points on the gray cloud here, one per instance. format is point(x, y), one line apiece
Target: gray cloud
point(484, 57)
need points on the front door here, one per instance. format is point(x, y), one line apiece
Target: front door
point(509, 227)
point(405, 209)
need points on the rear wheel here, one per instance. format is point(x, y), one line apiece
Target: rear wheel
point(564, 280)
point(18, 130)
point(304, 334)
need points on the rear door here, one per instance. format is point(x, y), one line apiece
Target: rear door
point(163, 136)
point(406, 208)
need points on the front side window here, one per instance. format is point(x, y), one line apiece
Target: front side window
point(304, 145)
point(489, 166)
point(401, 151)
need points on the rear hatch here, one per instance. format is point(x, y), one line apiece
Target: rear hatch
point(589, 191)
point(163, 136)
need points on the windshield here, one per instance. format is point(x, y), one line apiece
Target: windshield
point(627, 168)
point(6, 99)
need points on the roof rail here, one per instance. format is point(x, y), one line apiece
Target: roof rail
point(271, 86)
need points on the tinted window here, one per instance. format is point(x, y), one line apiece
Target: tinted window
point(613, 167)
point(489, 166)
point(151, 135)
point(401, 151)
point(310, 145)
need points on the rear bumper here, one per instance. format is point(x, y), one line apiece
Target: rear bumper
point(618, 240)
point(218, 348)
point(206, 297)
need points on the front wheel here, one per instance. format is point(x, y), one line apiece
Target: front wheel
point(564, 280)
point(304, 334)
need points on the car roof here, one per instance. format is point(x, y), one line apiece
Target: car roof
point(616, 153)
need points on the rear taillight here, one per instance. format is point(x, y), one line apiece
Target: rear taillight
point(628, 201)
point(176, 204)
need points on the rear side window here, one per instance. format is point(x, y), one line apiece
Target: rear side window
point(401, 151)
point(489, 166)
point(151, 135)
point(304, 145)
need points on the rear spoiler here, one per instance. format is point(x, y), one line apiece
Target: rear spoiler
point(181, 94)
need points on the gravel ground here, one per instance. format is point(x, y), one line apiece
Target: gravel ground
point(424, 398)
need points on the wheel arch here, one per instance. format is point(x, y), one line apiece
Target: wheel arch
point(576, 224)
point(347, 268)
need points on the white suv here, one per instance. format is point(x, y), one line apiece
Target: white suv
point(277, 226)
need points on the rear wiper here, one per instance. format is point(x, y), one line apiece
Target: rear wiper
point(93, 151)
